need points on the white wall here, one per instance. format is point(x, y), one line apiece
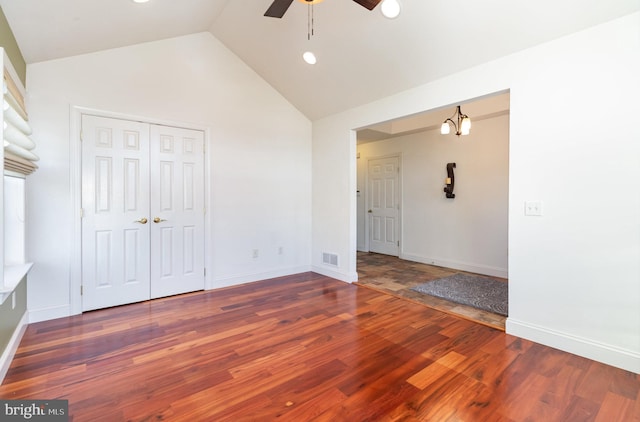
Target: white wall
point(259, 156)
point(575, 271)
point(468, 232)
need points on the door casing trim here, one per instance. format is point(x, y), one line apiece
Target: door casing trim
point(75, 180)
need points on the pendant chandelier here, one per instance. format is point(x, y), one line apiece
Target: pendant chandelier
point(462, 124)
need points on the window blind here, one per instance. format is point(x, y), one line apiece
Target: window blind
point(18, 146)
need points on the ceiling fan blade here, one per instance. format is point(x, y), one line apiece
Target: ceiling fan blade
point(369, 4)
point(278, 8)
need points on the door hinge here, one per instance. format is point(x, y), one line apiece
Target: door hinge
point(81, 212)
point(398, 243)
point(81, 290)
point(205, 272)
point(81, 138)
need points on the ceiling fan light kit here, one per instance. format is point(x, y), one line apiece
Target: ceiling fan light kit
point(309, 57)
point(390, 8)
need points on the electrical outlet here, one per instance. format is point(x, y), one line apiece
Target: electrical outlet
point(533, 208)
point(256, 253)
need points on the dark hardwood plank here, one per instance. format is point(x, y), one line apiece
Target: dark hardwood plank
point(305, 347)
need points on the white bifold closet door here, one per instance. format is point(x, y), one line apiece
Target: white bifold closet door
point(143, 211)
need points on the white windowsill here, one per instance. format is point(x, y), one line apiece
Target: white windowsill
point(12, 276)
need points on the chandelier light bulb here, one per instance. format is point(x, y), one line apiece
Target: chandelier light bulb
point(465, 126)
point(445, 129)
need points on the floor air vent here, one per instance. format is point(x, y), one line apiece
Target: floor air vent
point(330, 259)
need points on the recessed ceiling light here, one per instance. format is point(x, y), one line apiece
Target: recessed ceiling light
point(309, 57)
point(390, 8)
point(140, 1)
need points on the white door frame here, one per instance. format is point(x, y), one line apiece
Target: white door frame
point(367, 224)
point(75, 170)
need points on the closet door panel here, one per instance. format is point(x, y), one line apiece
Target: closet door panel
point(177, 209)
point(115, 203)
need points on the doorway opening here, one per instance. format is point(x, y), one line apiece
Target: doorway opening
point(468, 233)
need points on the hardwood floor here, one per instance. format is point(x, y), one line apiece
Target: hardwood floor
point(396, 276)
point(303, 348)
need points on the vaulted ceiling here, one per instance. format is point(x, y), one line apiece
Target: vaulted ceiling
point(362, 56)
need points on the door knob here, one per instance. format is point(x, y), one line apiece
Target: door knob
point(369, 211)
point(158, 220)
point(141, 221)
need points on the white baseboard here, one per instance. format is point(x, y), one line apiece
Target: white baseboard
point(338, 275)
point(46, 314)
point(14, 342)
point(251, 277)
point(457, 265)
point(610, 355)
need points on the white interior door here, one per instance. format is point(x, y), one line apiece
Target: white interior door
point(115, 203)
point(177, 210)
point(383, 198)
point(143, 211)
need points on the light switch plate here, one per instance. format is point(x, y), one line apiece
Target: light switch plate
point(533, 208)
